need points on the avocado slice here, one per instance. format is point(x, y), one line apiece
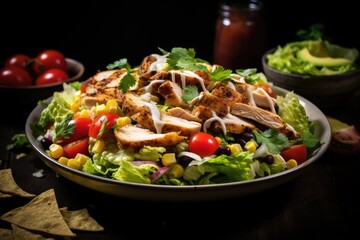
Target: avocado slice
point(305, 55)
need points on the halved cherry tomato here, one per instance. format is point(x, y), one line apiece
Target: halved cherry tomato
point(82, 126)
point(297, 152)
point(203, 144)
point(102, 124)
point(79, 146)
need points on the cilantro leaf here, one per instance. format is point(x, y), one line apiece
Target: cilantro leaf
point(189, 93)
point(19, 141)
point(220, 73)
point(274, 140)
point(182, 58)
point(249, 75)
point(65, 128)
point(127, 82)
point(122, 63)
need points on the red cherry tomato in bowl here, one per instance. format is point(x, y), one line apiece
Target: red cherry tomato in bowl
point(49, 59)
point(104, 121)
point(20, 60)
point(15, 76)
point(52, 76)
point(203, 144)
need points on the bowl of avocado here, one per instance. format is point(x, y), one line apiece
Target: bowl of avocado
point(325, 73)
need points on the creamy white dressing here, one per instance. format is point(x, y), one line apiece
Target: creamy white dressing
point(194, 75)
point(149, 87)
point(159, 63)
point(268, 99)
point(156, 116)
point(250, 96)
point(215, 117)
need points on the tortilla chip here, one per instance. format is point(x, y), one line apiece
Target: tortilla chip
point(5, 195)
point(40, 214)
point(6, 234)
point(21, 234)
point(8, 184)
point(80, 220)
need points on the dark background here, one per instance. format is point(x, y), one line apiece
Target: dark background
point(99, 32)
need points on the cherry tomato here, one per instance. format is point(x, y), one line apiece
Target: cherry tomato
point(82, 126)
point(106, 119)
point(49, 59)
point(203, 144)
point(78, 146)
point(268, 89)
point(15, 76)
point(52, 76)
point(20, 60)
point(297, 152)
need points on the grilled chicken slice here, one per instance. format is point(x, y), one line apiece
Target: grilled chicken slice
point(151, 64)
point(133, 103)
point(263, 117)
point(166, 123)
point(220, 105)
point(133, 138)
point(233, 124)
point(200, 79)
point(172, 93)
point(183, 113)
point(102, 87)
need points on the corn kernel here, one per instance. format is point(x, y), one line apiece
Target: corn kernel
point(176, 171)
point(100, 109)
point(168, 159)
point(74, 106)
point(82, 158)
point(218, 139)
point(85, 113)
point(74, 163)
point(56, 151)
point(291, 163)
point(235, 148)
point(99, 146)
point(250, 146)
point(112, 106)
point(122, 121)
point(63, 160)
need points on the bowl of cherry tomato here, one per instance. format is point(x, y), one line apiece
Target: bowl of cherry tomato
point(26, 79)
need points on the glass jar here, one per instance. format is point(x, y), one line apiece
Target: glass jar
point(239, 35)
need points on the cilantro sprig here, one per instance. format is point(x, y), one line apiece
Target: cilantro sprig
point(182, 58)
point(274, 140)
point(128, 80)
point(65, 128)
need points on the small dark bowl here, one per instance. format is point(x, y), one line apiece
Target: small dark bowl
point(20, 100)
point(324, 91)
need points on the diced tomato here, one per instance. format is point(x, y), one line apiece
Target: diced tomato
point(79, 146)
point(297, 152)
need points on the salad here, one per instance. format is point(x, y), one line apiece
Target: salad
point(176, 119)
point(313, 55)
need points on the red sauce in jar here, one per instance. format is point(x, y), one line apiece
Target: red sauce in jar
point(239, 35)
